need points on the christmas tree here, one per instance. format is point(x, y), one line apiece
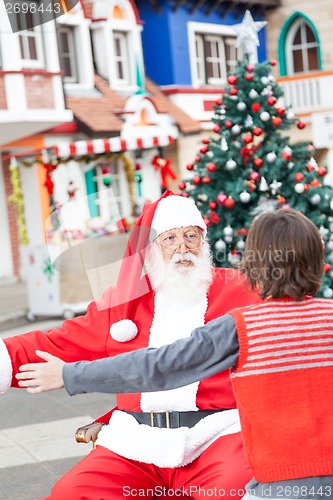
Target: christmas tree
point(249, 166)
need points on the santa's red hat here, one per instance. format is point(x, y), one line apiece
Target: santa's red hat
point(168, 212)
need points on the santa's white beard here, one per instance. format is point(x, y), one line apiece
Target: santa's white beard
point(179, 281)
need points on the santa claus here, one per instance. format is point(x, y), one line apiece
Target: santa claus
point(185, 440)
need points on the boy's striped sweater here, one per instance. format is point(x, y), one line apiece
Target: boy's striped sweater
point(284, 387)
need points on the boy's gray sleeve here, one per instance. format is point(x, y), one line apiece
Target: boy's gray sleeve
point(210, 349)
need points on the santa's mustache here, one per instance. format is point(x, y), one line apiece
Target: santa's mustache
point(186, 257)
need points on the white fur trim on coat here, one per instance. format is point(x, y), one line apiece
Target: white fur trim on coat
point(173, 320)
point(6, 368)
point(165, 447)
point(124, 330)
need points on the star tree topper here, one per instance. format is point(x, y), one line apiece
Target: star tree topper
point(247, 33)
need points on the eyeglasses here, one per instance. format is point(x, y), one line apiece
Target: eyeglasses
point(191, 240)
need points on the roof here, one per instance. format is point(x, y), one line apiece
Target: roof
point(100, 115)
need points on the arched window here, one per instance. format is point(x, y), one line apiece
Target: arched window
point(301, 47)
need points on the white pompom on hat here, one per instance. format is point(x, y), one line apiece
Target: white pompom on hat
point(168, 212)
point(175, 212)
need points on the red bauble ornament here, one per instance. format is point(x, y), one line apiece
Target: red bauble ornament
point(249, 76)
point(216, 128)
point(271, 100)
point(228, 123)
point(310, 147)
point(315, 183)
point(233, 91)
point(280, 199)
point(248, 139)
point(257, 131)
point(276, 121)
point(205, 141)
point(327, 267)
point(181, 186)
point(286, 155)
point(322, 171)
point(219, 101)
point(258, 162)
point(212, 205)
point(232, 79)
point(301, 125)
point(211, 167)
point(214, 218)
point(250, 67)
point(256, 107)
point(206, 221)
point(254, 176)
point(221, 198)
point(229, 203)
point(203, 149)
point(190, 166)
point(197, 159)
point(185, 195)
point(196, 180)
point(273, 62)
point(206, 179)
point(298, 177)
point(252, 185)
point(310, 167)
point(281, 111)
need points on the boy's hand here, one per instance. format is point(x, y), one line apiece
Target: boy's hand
point(41, 377)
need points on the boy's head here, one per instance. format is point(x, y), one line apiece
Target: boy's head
point(283, 255)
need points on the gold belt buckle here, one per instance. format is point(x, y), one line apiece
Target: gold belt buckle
point(167, 417)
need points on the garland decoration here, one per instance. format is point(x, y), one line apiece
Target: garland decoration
point(17, 198)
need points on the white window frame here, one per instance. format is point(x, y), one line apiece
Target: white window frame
point(104, 201)
point(70, 30)
point(24, 37)
point(304, 46)
point(197, 62)
point(37, 34)
point(123, 58)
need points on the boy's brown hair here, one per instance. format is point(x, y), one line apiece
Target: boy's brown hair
point(283, 256)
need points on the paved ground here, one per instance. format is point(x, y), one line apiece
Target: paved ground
point(37, 442)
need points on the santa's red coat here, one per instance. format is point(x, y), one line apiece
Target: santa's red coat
point(88, 338)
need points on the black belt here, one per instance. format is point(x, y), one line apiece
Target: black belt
point(171, 419)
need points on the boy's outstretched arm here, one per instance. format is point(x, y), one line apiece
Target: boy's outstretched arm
point(210, 349)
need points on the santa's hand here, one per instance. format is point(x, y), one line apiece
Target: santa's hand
point(41, 377)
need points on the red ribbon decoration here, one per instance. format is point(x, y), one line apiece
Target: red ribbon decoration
point(49, 184)
point(164, 165)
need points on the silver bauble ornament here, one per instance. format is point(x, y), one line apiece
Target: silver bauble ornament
point(220, 245)
point(231, 165)
point(270, 157)
point(245, 197)
point(315, 199)
point(299, 188)
point(228, 231)
point(328, 293)
point(240, 245)
point(241, 106)
point(236, 130)
point(329, 247)
point(253, 94)
point(265, 116)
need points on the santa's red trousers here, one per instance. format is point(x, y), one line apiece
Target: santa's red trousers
point(219, 472)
